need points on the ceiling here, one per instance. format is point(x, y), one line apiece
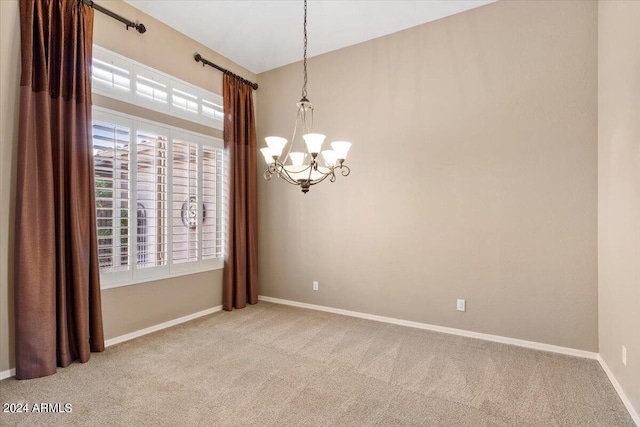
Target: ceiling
point(263, 34)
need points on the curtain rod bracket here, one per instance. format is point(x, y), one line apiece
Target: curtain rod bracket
point(198, 58)
point(139, 27)
point(129, 24)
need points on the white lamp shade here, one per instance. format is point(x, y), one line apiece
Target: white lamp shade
point(276, 145)
point(266, 152)
point(341, 148)
point(314, 142)
point(297, 158)
point(329, 157)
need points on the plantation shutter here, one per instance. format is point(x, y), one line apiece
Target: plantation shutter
point(111, 158)
point(111, 75)
point(151, 87)
point(185, 100)
point(187, 208)
point(212, 199)
point(151, 199)
point(213, 110)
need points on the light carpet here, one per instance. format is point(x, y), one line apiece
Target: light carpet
point(276, 365)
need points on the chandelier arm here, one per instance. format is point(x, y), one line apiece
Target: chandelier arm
point(290, 146)
point(344, 170)
point(312, 166)
point(290, 180)
point(311, 122)
point(331, 171)
point(319, 180)
point(303, 170)
point(285, 175)
point(272, 169)
point(331, 175)
point(287, 178)
point(305, 123)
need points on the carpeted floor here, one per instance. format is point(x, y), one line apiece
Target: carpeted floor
point(282, 366)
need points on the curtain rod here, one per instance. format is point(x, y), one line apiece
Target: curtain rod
point(130, 24)
point(199, 58)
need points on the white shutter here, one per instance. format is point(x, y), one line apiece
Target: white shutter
point(111, 158)
point(121, 78)
point(212, 110)
point(110, 75)
point(212, 178)
point(184, 100)
point(159, 199)
point(151, 198)
point(186, 203)
point(151, 88)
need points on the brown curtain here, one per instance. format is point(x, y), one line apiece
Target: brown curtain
point(240, 277)
point(57, 283)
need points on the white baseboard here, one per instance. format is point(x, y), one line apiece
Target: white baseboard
point(453, 331)
point(160, 326)
point(8, 373)
point(461, 332)
point(621, 393)
point(495, 338)
point(122, 338)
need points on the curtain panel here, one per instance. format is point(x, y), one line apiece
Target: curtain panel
point(240, 277)
point(57, 283)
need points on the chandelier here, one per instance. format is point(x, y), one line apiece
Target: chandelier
point(299, 167)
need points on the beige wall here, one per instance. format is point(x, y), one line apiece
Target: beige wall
point(9, 95)
point(130, 308)
point(161, 47)
point(473, 175)
point(619, 191)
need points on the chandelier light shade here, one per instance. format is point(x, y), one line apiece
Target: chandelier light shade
point(296, 166)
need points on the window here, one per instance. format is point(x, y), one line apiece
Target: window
point(212, 110)
point(121, 78)
point(158, 199)
point(111, 74)
point(158, 188)
point(184, 101)
point(151, 88)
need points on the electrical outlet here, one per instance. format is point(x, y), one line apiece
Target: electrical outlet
point(315, 286)
point(624, 355)
point(461, 305)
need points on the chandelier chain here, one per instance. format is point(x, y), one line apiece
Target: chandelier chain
point(304, 85)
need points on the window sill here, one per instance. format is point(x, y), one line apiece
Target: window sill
point(103, 287)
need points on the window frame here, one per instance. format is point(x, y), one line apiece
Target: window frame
point(134, 274)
